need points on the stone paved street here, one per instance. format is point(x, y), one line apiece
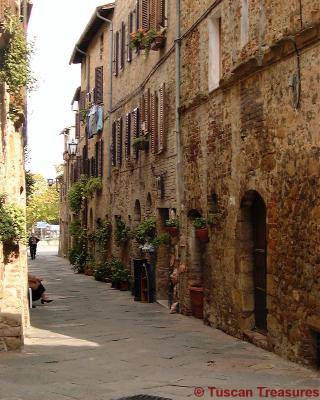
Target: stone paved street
point(95, 343)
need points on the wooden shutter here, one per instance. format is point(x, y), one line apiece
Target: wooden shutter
point(160, 13)
point(116, 55)
point(82, 105)
point(77, 118)
point(154, 123)
point(123, 45)
point(98, 92)
point(128, 137)
point(161, 117)
point(153, 14)
point(136, 127)
point(96, 161)
point(142, 116)
point(119, 141)
point(147, 111)
point(144, 15)
point(138, 14)
point(130, 30)
point(114, 144)
point(101, 157)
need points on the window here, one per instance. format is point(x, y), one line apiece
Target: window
point(244, 22)
point(128, 137)
point(119, 141)
point(214, 27)
point(158, 120)
point(101, 158)
point(116, 54)
point(114, 144)
point(130, 30)
point(123, 45)
point(101, 46)
point(98, 91)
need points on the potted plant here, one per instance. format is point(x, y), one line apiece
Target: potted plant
point(200, 225)
point(145, 232)
point(158, 41)
point(122, 233)
point(137, 39)
point(172, 227)
point(141, 143)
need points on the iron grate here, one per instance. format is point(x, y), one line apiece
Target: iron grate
point(143, 397)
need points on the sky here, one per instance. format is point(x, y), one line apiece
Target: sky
point(55, 27)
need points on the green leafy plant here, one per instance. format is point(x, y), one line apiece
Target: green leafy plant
point(200, 223)
point(163, 239)
point(12, 223)
point(102, 233)
point(75, 229)
point(173, 223)
point(137, 39)
point(91, 186)
point(141, 142)
point(119, 272)
point(146, 231)
point(15, 68)
point(76, 194)
point(122, 232)
point(103, 272)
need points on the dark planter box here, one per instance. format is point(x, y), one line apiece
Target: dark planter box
point(202, 235)
point(196, 297)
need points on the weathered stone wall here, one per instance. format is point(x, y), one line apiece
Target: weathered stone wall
point(245, 136)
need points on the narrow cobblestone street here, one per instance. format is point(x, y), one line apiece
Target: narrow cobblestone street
point(96, 343)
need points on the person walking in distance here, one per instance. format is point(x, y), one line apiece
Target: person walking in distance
point(33, 242)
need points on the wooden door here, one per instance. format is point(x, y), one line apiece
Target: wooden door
point(260, 263)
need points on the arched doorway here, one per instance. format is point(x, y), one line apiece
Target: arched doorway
point(253, 257)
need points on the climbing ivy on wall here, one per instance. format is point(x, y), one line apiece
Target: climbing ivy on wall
point(12, 222)
point(15, 68)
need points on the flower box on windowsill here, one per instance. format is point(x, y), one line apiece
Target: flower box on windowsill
point(202, 234)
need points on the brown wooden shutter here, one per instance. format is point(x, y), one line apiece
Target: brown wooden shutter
point(82, 105)
point(154, 123)
point(123, 45)
point(128, 137)
point(144, 15)
point(147, 111)
point(136, 127)
point(162, 117)
point(116, 55)
point(98, 92)
point(114, 144)
point(138, 14)
point(96, 160)
point(130, 30)
point(160, 13)
point(119, 141)
point(101, 164)
point(77, 118)
point(153, 14)
point(142, 116)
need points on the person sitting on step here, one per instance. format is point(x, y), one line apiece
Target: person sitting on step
point(38, 290)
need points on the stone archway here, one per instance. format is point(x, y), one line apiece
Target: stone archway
point(252, 261)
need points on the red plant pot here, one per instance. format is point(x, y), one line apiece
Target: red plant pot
point(172, 230)
point(196, 298)
point(203, 235)
point(124, 286)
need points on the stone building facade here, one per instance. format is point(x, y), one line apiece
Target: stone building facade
point(14, 314)
point(239, 147)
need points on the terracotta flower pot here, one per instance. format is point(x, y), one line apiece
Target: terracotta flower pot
point(88, 272)
point(124, 286)
point(202, 234)
point(196, 297)
point(172, 230)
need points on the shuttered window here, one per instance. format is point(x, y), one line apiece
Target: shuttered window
point(157, 14)
point(82, 105)
point(153, 12)
point(138, 14)
point(92, 166)
point(144, 14)
point(101, 163)
point(98, 92)
point(136, 127)
point(77, 123)
point(114, 144)
point(130, 30)
point(154, 123)
point(128, 137)
point(161, 117)
point(123, 45)
point(119, 141)
point(97, 154)
point(116, 54)
point(142, 114)
point(147, 111)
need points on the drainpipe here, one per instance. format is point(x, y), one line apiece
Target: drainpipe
point(108, 21)
point(81, 52)
point(179, 176)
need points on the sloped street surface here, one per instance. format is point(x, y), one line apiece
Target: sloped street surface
point(95, 343)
